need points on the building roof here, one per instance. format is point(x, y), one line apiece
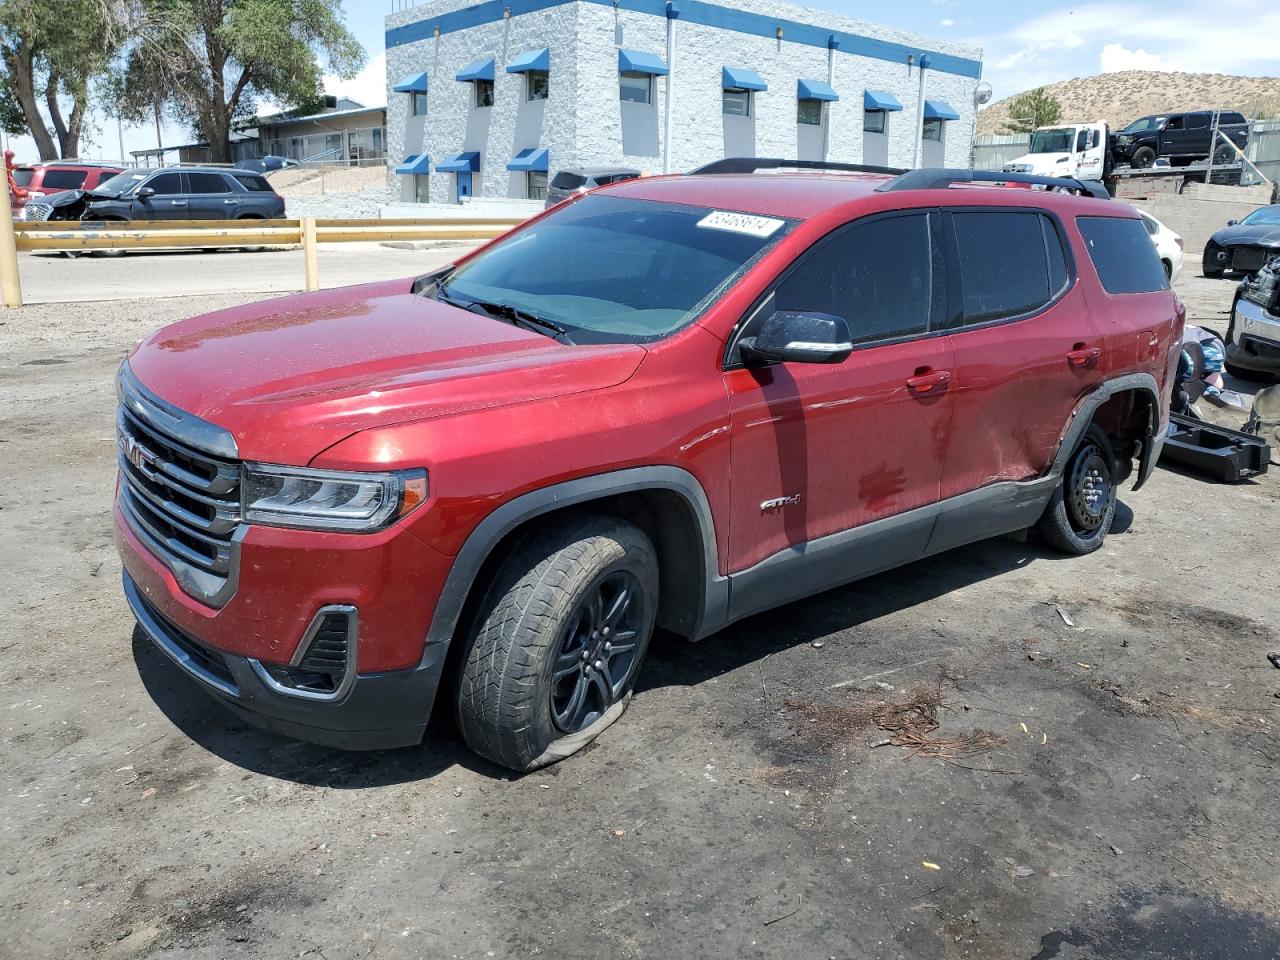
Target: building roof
point(286, 119)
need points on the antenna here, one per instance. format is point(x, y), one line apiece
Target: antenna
point(981, 94)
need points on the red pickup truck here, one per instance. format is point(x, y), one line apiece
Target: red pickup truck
point(668, 403)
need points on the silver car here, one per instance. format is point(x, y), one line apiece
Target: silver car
point(573, 180)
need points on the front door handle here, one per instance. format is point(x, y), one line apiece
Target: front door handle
point(1081, 355)
point(178, 203)
point(926, 379)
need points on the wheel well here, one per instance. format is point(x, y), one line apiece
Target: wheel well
point(249, 216)
point(1126, 416)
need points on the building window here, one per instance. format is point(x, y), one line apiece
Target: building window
point(636, 87)
point(419, 105)
point(873, 121)
point(737, 103)
point(421, 191)
point(933, 130)
point(484, 93)
point(537, 184)
point(809, 112)
point(539, 85)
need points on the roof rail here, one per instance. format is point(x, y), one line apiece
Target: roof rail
point(752, 164)
point(941, 178)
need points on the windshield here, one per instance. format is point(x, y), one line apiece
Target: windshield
point(1146, 123)
point(22, 175)
point(615, 270)
point(1263, 217)
point(123, 181)
point(1056, 140)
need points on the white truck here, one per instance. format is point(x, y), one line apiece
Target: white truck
point(1078, 150)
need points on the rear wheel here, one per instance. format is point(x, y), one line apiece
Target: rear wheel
point(558, 640)
point(1084, 503)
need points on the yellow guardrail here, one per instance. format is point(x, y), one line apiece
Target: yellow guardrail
point(219, 234)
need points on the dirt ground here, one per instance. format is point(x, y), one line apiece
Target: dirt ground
point(1104, 787)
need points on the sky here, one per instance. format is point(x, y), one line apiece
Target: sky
point(1024, 45)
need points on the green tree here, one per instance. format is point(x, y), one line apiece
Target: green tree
point(1032, 109)
point(53, 51)
point(208, 61)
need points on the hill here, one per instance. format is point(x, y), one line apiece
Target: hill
point(1121, 97)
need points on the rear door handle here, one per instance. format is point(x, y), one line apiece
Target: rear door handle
point(1080, 355)
point(178, 203)
point(925, 379)
point(230, 201)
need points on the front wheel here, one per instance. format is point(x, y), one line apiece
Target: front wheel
point(558, 640)
point(1084, 503)
point(1143, 157)
point(1212, 263)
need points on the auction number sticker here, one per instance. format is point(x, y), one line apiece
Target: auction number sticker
point(741, 223)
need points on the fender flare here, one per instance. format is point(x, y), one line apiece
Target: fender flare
point(1083, 416)
point(481, 542)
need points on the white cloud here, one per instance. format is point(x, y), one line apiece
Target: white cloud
point(946, 22)
point(1116, 57)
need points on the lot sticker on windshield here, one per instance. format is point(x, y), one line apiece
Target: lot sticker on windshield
point(741, 223)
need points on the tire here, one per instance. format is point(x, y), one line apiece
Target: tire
point(540, 679)
point(1168, 270)
point(1142, 157)
point(1210, 265)
point(258, 249)
point(1083, 504)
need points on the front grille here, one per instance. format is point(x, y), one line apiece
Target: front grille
point(37, 211)
point(183, 502)
point(1248, 259)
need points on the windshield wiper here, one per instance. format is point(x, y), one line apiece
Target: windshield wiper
point(511, 314)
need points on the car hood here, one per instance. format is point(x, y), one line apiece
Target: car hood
point(1263, 235)
point(1045, 162)
point(292, 376)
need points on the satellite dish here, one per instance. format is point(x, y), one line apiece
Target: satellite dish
point(981, 94)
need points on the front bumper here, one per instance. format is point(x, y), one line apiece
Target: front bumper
point(1255, 342)
point(378, 710)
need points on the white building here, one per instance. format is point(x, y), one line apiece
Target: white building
point(488, 99)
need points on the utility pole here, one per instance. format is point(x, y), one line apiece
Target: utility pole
point(120, 136)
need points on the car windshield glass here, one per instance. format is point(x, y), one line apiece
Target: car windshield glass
point(1266, 216)
point(1056, 140)
point(615, 270)
point(122, 181)
point(23, 176)
point(1146, 123)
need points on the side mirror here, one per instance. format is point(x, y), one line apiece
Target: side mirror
point(1232, 223)
point(790, 337)
point(146, 193)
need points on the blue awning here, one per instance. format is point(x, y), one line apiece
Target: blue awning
point(532, 160)
point(415, 163)
point(637, 61)
point(939, 110)
point(815, 90)
point(531, 61)
point(413, 83)
point(740, 78)
point(879, 100)
point(467, 161)
point(479, 70)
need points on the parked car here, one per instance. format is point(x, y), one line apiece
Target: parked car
point(41, 180)
point(1243, 245)
point(1253, 336)
point(267, 164)
point(574, 180)
point(167, 193)
point(1181, 138)
point(1168, 245)
point(673, 402)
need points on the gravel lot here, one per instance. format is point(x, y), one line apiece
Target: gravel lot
point(748, 804)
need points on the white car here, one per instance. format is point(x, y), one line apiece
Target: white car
point(1168, 245)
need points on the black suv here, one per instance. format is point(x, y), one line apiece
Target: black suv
point(1181, 138)
point(167, 193)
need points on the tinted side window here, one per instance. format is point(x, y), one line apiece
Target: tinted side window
point(165, 184)
point(1123, 254)
point(63, 179)
point(568, 181)
point(250, 182)
point(1058, 273)
point(1197, 121)
point(207, 183)
point(878, 275)
point(1004, 267)
point(1226, 117)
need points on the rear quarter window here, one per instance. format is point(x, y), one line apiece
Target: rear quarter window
point(253, 183)
point(1123, 254)
point(567, 181)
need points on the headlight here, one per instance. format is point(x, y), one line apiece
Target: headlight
point(328, 499)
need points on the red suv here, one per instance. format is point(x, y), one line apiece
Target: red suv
point(671, 402)
point(43, 179)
